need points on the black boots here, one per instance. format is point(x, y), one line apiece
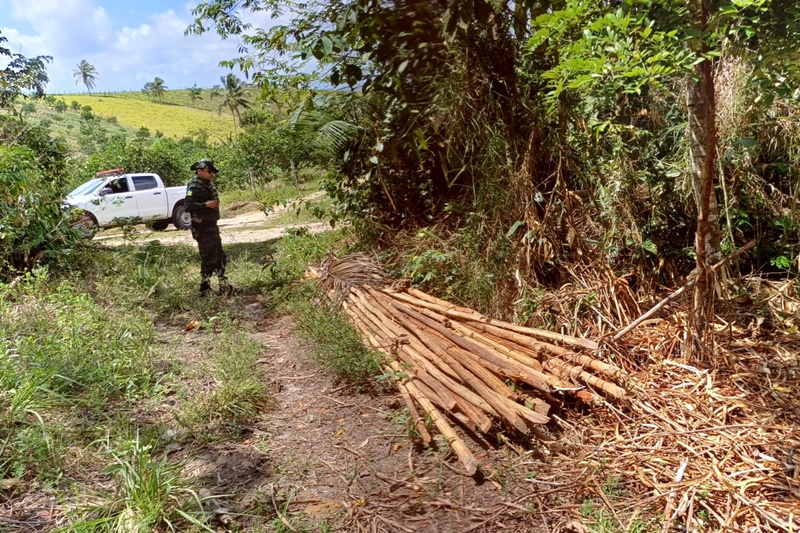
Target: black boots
point(205, 287)
point(225, 288)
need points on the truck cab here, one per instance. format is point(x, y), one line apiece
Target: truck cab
point(114, 197)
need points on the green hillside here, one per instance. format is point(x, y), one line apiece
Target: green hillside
point(180, 97)
point(171, 120)
point(79, 135)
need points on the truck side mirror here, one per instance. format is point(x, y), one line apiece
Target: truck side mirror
point(105, 190)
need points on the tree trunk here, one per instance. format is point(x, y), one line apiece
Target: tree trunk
point(293, 171)
point(703, 151)
point(252, 180)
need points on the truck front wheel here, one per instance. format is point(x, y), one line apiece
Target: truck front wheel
point(86, 224)
point(181, 218)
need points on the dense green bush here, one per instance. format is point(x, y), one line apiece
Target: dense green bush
point(169, 158)
point(49, 153)
point(33, 227)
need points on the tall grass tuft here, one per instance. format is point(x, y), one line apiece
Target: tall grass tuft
point(238, 393)
point(336, 345)
point(151, 495)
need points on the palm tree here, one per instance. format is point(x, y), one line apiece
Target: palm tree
point(158, 88)
point(87, 74)
point(195, 93)
point(234, 97)
point(215, 91)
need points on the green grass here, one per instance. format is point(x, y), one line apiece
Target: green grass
point(171, 120)
point(337, 346)
point(174, 97)
point(238, 394)
point(92, 386)
point(150, 494)
point(64, 359)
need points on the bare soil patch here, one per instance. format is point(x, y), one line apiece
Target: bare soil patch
point(326, 455)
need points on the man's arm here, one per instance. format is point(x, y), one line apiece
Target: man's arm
point(194, 201)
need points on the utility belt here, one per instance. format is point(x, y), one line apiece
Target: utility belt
point(198, 222)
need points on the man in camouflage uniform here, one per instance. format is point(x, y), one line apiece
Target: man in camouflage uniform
point(202, 201)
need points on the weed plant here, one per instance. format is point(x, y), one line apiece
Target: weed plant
point(336, 345)
point(238, 393)
point(150, 495)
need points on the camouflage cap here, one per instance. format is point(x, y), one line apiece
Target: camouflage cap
point(204, 163)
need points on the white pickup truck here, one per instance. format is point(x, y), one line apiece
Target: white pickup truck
point(114, 198)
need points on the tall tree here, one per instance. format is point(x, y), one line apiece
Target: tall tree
point(634, 46)
point(87, 74)
point(158, 89)
point(195, 93)
point(234, 97)
point(21, 74)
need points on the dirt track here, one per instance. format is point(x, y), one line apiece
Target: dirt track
point(326, 456)
point(236, 226)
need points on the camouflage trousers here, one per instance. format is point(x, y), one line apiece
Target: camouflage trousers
point(212, 256)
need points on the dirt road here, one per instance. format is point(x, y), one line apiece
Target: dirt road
point(247, 223)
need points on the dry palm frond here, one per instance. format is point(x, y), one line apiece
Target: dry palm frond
point(337, 275)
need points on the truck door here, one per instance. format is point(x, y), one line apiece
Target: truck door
point(119, 202)
point(150, 197)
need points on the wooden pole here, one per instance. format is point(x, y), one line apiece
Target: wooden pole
point(451, 311)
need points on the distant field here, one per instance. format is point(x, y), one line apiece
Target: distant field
point(171, 97)
point(181, 97)
point(171, 120)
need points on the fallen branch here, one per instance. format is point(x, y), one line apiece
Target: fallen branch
point(688, 285)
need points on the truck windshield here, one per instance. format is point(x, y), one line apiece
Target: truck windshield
point(88, 188)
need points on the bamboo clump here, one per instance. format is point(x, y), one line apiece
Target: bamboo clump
point(456, 364)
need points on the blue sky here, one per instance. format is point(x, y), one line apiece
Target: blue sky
point(129, 42)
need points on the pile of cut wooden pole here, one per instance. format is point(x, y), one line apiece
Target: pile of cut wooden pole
point(449, 360)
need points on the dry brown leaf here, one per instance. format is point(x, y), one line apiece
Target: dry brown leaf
point(193, 325)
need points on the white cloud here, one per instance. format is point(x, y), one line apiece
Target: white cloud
point(126, 54)
point(66, 27)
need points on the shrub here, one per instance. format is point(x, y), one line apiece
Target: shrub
point(32, 224)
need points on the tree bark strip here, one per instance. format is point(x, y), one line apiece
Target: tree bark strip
point(517, 372)
point(452, 311)
point(464, 455)
point(498, 399)
point(409, 355)
point(540, 347)
point(499, 362)
point(417, 420)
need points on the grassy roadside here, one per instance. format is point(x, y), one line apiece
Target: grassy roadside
point(93, 395)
